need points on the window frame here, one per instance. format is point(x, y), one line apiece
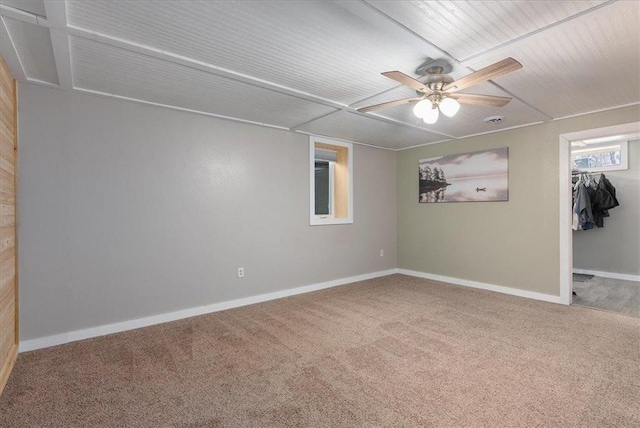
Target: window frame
point(332, 193)
point(624, 157)
point(322, 220)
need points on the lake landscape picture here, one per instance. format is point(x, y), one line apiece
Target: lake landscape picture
point(466, 177)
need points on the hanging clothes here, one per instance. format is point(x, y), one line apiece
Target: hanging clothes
point(592, 201)
point(582, 213)
point(611, 201)
point(604, 200)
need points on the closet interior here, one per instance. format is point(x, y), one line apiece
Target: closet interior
point(605, 222)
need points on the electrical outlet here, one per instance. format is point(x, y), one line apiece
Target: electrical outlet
point(240, 272)
point(381, 253)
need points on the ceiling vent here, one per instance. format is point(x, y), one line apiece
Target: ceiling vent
point(494, 119)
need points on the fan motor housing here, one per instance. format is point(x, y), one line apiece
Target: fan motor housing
point(438, 66)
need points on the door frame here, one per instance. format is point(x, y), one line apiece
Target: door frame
point(565, 208)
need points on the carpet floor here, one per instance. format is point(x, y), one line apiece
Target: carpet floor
point(393, 351)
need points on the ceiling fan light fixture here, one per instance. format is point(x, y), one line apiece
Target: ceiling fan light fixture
point(437, 87)
point(422, 108)
point(449, 107)
point(432, 116)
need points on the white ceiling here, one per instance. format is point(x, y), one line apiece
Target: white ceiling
point(306, 66)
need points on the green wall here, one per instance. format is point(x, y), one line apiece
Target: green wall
point(513, 244)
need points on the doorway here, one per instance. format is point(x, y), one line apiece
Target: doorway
point(600, 261)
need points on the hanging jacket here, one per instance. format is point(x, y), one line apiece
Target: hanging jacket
point(602, 199)
point(592, 192)
point(612, 201)
point(582, 214)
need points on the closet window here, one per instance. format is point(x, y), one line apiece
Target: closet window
point(599, 154)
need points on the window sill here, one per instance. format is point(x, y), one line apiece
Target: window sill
point(328, 220)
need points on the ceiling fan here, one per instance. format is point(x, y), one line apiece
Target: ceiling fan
point(439, 91)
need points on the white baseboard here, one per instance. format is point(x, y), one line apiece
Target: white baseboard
point(59, 339)
point(484, 286)
point(612, 275)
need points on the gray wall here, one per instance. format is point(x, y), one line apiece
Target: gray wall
point(513, 244)
point(129, 211)
point(616, 247)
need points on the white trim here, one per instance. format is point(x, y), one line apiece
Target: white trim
point(612, 275)
point(606, 131)
point(11, 55)
point(41, 83)
point(17, 14)
point(62, 57)
point(221, 71)
point(339, 139)
point(484, 286)
point(73, 336)
point(57, 14)
point(472, 135)
point(188, 110)
point(197, 65)
point(425, 144)
point(332, 183)
point(595, 111)
point(503, 129)
point(384, 118)
point(566, 232)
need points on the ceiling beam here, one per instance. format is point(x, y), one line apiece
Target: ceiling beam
point(377, 117)
point(197, 65)
point(20, 15)
point(61, 31)
point(204, 113)
point(10, 54)
point(58, 25)
point(220, 71)
point(57, 16)
point(346, 141)
point(62, 56)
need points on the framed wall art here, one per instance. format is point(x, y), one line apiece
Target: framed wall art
point(466, 177)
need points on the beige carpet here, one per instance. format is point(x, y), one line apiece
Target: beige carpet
point(394, 351)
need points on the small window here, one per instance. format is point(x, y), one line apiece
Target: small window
point(331, 177)
point(324, 173)
point(595, 156)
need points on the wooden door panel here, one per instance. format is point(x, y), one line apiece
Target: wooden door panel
point(8, 241)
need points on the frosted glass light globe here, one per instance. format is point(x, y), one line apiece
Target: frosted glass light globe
point(431, 116)
point(449, 107)
point(422, 108)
